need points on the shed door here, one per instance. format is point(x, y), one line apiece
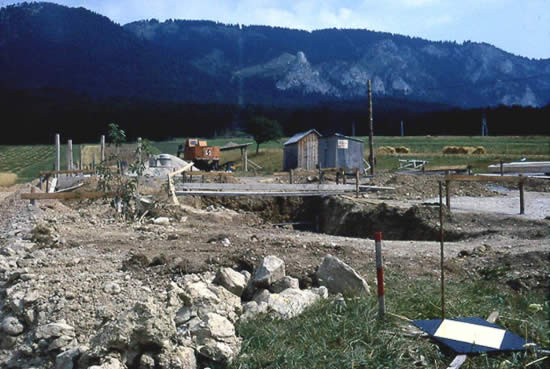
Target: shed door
point(308, 152)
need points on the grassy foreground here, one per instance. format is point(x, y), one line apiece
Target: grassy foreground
point(331, 335)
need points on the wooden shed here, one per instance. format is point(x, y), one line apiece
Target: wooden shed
point(339, 151)
point(301, 151)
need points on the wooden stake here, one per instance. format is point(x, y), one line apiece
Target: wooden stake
point(357, 182)
point(448, 195)
point(80, 165)
point(139, 150)
point(501, 168)
point(102, 143)
point(57, 152)
point(70, 155)
point(290, 176)
point(441, 242)
point(380, 275)
point(521, 198)
point(371, 130)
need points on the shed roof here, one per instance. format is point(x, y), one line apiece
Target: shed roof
point(342, 136)
point(298, 136)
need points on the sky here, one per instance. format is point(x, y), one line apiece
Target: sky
point(521, 27)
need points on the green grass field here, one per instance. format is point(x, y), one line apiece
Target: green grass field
point(508, 148)
point(331, 335)
point(28, 161)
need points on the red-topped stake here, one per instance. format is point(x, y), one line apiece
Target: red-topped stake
point(380, 274)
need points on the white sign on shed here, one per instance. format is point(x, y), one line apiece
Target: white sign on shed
point(343, 144)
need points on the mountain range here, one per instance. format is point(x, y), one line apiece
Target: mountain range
point(49, 46)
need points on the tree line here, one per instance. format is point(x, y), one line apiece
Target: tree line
point(35, 116)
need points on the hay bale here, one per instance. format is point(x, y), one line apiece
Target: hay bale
point(450, 150)
point(479, 150)
point(388, 150)
point(464, 150)
point(7, 179)
point(402, 150)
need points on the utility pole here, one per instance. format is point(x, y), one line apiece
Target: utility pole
point(371, 130)
point(484, 128)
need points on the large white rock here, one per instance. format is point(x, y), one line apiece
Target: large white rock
point(146, 324)
point(178, 358)
point(109, 364)
point(231, 280)
point(285, 283)
point(291, 302)
point(215, 338)
point(66, 359)
point(271, 270)
point(205, 297)
point(12, 326)
point(339, 277)
point(54, 330)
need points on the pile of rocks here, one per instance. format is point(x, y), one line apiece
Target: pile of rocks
point(188, 323)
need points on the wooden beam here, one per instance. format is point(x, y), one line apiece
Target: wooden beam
point(268, 187)
point(259, 193)
point(445, 168)
point(67, 195)
point(181, 170)
point(207, 174)
point(464, 178)
point(54, 172)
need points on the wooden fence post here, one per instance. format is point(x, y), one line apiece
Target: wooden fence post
point(448, 195)
point(102, 143)
point(357, 182)
point(521, 197)
point(57, 152)
point(70, 155)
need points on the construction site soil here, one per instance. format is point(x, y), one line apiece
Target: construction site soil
point(78, 250)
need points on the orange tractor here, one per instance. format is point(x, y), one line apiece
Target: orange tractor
point(203, 156)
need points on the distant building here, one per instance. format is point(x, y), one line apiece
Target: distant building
point(301, 151)
point(339, 151)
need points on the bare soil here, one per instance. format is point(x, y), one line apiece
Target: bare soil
point(90, 245)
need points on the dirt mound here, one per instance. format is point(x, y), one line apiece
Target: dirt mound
point(413, 186)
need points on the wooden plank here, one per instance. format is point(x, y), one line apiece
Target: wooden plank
point(464, 178)
point(55, 172)
point(185, 168)
point(460, 359)
point(66, 195)
point(368, 187)
point(521, 167)
point(52, 185)
point(443, 168)
point(267, 187)
point(207, 174)
point(259, 193)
